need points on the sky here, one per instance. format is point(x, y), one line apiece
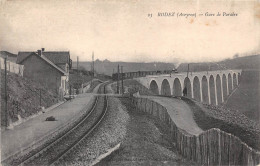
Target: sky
point(122, 31)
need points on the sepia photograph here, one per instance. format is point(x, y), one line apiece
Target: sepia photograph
point(130, 82)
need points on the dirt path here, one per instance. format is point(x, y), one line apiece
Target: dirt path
point(180, 113)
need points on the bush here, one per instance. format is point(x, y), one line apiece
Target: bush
point(50, 118)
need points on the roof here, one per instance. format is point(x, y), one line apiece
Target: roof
point(22, 55)
point(6, 53)
point(46, 60)
point(57, 57)
point(10, 56)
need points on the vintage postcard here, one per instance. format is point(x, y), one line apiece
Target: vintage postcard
point(130, 82)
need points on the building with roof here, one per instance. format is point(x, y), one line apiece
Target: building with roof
point(10, 56)
point(49, 68)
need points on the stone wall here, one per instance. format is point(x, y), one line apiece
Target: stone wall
point(212, 147)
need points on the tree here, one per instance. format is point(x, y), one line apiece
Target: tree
point(235, 56)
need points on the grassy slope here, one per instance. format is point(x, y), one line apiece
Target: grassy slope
point(246, 97)
point(133, 87)
point(248, 62)
point(77, 79)
point(93, 85)
point(25, 92)
point(208, 116)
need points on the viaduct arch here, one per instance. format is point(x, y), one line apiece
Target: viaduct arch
point(187, 84)
point(196, 89)
point(205, 90)
point(219, 89)
point(165, 88)
point(210, 87)
point(154, 87)
point(177, 88)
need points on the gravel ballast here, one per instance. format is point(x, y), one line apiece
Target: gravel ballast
point(108, 134)
point(146, 142)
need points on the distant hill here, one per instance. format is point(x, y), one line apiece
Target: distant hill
point(247, 62)
point(10, 56)
point(106, 67)
point(246, 96)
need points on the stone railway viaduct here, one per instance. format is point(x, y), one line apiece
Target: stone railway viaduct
point(211, 87)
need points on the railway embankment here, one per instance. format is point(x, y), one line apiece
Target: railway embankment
point(211, 147)
point(230, 121)
point(25, 98)
point(146, 141)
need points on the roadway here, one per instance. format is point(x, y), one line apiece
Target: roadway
point(180, 113)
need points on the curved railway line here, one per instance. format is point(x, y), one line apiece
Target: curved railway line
point(58, 148)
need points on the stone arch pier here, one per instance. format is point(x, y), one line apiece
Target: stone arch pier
point(211, 87)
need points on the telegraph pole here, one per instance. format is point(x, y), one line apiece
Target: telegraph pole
point(188, 70)
point(113, 76)
point(187, 74)
point(40, 97)
point(78, 64)
point(77, 72)
point(92, 75)
point(6, 110)
point(93, 64)
point(122, 79)
point(118, 79)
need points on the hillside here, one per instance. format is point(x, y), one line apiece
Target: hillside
point(77, 78)
point(24, 97)
point(247, 62)
point(246, 96)
point(106, 67)
point(245, 99)
point(230, 121)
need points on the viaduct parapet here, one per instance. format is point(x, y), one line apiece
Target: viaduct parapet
point(211, 87)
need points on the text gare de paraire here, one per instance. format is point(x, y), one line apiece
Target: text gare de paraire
point(180, 14)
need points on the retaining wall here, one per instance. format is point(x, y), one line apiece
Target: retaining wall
point(212, 147)
point(12, 67)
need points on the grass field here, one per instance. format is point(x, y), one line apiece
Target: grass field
point(234, 122)
point(246, 97)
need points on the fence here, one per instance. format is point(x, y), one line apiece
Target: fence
point(12, 67)
point(212, 147)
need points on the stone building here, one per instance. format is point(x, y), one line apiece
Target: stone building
point(49, 68)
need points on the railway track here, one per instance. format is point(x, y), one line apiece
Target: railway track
point(55, 151)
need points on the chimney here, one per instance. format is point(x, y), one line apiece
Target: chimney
point(43, 49)
point(39, 52)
